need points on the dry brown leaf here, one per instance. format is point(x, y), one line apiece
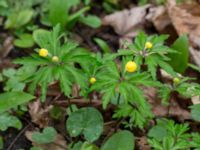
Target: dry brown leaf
point(39, 115)
point(196, 100)
point(183, 21)
point(58, 144)
point(7, 47)
point(141, 143)
point(195, 53)
point(127, 22)
point(159, 17)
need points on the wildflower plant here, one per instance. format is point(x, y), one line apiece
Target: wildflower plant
point(167, 135)
point(56, 62)
point(120, 85)
point(150, 51)
point(182, 85)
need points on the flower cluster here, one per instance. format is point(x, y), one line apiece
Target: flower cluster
point(44, 53)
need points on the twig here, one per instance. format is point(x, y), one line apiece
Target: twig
point(17, 137)
point(77, 102)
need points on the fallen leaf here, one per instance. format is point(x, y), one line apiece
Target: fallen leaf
point(126, 23)
point(7, 47)
point(39, 115)
point(194, 52)
point(58, 144)
point(159, 17)
point(141, 143)
point(196, 100)
point(183, 21)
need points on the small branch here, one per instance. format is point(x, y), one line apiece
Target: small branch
point(79, 102)
point(17, 137)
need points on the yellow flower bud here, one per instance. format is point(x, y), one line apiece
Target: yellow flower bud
point(131, 66)
point(92, 80)
point(176, 80)
point(148, 45)
point(55, 59)
point(43, 52)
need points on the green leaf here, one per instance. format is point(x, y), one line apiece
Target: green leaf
point(103, 45)
point(9, 100)
point(47, 136)
point(19, 19)
point(24, 41)
point(91, 20)
point(123, 140)
point(179, 60)
point(7, 121)
point(36, 148)
point(58, 12)
point(157, 132)
point(86, 121)
point(75, 146)
point(164, 92)
point(194, 67)
point(73, 18)
point(40, 36)
point(89, 146)
point(195, 112)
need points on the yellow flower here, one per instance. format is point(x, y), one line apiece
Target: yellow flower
point(148, 45)
point(131, 66)
point(176, 80)
point(92, 80)
point(43, 52)
point(55, 59)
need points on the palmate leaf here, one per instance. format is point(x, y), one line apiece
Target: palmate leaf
point(153, 61)
point(65, 83)
point(77, 75)
point(140, 41)
point(142, 79)
point(195, 143)
point(158, 41)
point(134, 104)
point(110, 69)
point(188, 89)
point(33, 60)
point(107, 95)
point(165, 92)
point(44, 76)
